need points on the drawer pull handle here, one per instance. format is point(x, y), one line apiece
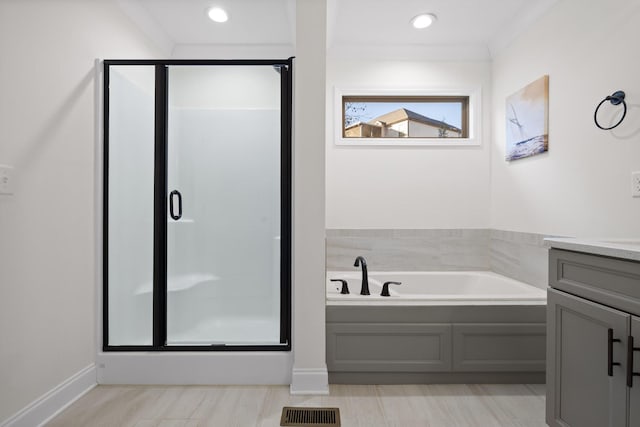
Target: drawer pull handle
point(610, 362)
point(630, 373)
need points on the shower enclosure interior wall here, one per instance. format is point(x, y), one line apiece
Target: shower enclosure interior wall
point(197, 205)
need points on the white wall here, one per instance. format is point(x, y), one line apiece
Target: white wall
point(47, 308)
point(309, 370)
point(407, 187)
point(581, 187)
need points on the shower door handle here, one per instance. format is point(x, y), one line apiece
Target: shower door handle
point(175, 216)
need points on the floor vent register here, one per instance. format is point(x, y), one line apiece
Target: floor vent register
point(310, 417)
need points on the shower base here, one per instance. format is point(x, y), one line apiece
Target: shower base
point(229, 331)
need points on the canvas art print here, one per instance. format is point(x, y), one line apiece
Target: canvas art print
point(527, 120)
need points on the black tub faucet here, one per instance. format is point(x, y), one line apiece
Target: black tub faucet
point(360, 262)
point(385, 288)
point(345, 287)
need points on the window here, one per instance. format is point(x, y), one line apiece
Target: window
point(407, 119)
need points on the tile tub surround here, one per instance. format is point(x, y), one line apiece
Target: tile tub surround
point(408, 249)
point(518, 255)
point(521, 256)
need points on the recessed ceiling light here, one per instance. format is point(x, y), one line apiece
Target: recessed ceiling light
point(423, 20)
point(217, 14)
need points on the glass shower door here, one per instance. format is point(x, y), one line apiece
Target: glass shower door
point(224, 199)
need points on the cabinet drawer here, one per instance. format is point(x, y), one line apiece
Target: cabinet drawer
point(610, 281)
point(496, 347)
point(375, 347)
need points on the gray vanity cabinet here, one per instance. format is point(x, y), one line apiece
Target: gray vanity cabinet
point(634, 391)
point(580, 393)
point(593, 310)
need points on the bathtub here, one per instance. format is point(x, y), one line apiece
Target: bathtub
point(436, 327)
point(434, 288)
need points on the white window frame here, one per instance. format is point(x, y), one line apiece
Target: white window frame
point(473, 140)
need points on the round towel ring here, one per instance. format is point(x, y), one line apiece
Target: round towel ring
point(615, 99)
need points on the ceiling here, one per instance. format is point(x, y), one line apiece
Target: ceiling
point(486, 24)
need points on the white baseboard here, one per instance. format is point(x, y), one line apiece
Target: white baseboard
point(309, 381)
point(201, 368)
point(55, 400)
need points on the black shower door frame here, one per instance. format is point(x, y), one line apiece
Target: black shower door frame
point(161, 204)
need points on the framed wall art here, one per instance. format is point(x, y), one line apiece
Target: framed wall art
point(527, 120)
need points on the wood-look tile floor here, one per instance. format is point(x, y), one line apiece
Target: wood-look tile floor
point(459, 405)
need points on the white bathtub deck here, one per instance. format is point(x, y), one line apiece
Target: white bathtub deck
point(434, 288)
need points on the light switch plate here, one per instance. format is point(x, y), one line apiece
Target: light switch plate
point(6, 180)
point(635, 184)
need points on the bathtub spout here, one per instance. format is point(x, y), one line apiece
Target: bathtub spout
point(360, 262)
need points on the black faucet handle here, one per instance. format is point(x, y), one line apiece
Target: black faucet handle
point(345, 288)
point(385, 288)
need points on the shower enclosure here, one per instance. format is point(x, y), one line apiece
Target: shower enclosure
point(197, 202)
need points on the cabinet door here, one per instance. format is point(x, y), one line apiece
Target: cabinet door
point(634, 391)
point(580, 393)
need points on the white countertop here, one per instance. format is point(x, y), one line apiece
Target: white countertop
point(617, 248)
